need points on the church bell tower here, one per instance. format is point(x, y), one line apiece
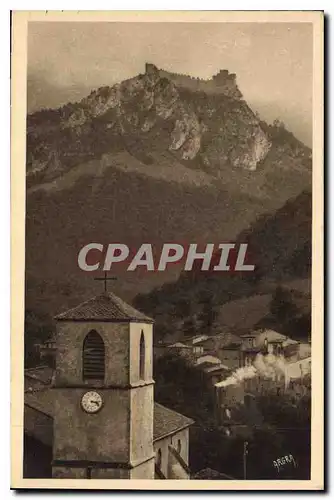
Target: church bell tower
point(103, 392)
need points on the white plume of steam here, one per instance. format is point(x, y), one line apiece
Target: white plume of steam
point(238, 376)
point(268, 366)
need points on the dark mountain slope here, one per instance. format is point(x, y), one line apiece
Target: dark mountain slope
point(280, 248)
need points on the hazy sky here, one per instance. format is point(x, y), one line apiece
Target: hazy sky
point(273, 62)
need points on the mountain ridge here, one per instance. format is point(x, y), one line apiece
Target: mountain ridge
point(136, 106)
point(147, 160)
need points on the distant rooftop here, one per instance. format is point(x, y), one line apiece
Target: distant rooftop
point(180, 344)
point(215, 368)
point(266, 334)
point(233, 346)
point(208, 358)
point(104, 307)
point(252, 349)
point(211, 474)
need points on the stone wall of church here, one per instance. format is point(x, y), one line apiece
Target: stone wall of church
point(103, 436)
point(172, 440)
point(110, 473)
point(141, 427)
point(136, 330)
point(69, 341)
point(69, 473)
point(143, 471)
point(182, 438)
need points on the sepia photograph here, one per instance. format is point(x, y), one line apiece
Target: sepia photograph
point(167, 250)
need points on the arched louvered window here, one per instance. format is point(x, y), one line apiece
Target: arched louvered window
point(142, 357)
point(93, 357)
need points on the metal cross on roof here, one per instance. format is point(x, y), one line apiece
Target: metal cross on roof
point(105, 279)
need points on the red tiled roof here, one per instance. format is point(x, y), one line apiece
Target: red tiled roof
point(104, 307)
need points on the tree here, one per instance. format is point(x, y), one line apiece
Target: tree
point(189, 327)
point(183, 388)
point(292, 423)
point(208, 314)
point(38, 328)
point(162, 330)
point(178, 384)
point(282, 306)
point(183, 307)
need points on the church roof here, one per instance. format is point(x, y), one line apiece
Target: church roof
point(41, 374)
point(167, 421)
point(104, 307)
point(41, 400)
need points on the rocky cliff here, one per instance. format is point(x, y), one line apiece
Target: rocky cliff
point(206, 122)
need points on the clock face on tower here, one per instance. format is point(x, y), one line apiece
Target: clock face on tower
point(91, 402)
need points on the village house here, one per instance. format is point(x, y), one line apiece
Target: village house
point(212, 368)
point(268, 341)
